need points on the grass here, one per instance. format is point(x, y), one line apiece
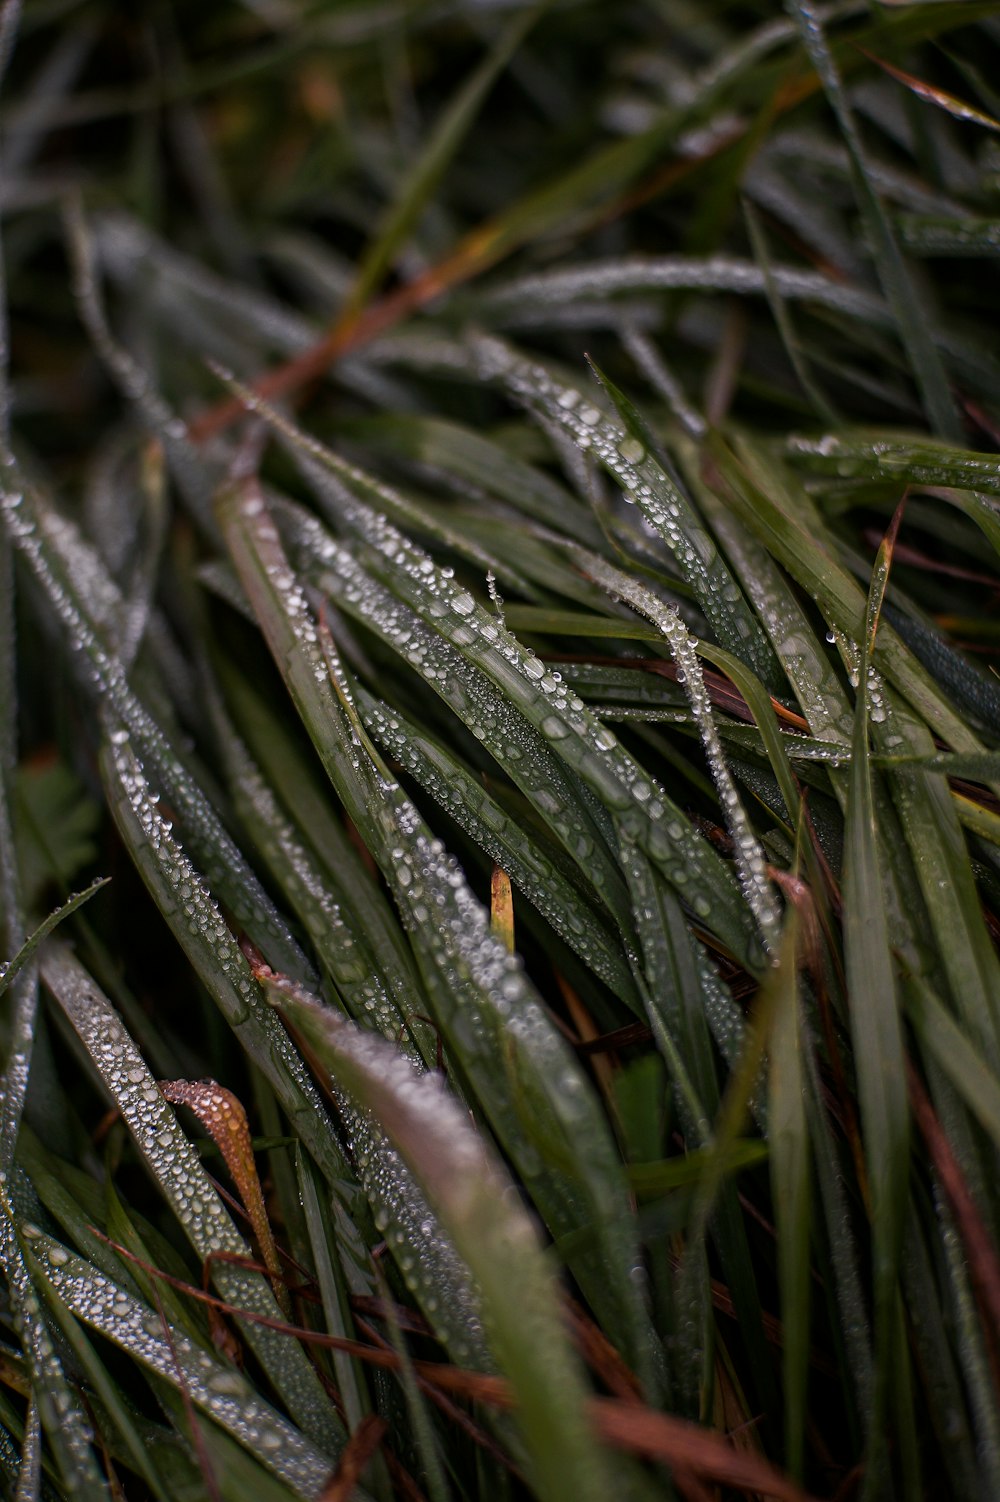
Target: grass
point(499, 730)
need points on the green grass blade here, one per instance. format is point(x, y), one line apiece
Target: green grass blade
point(518, 746)
point(955, 1054)
point(931, 825)
point(540, 1105)
point(217, 1389)
point(623, 453)
point(468, 1188)
point(925, 363)
point(748, 855)
point(788, 1141)
point(30, 522)
point(342, 948)
point(130, 1443)
point(11, 968)
point(66, 1427)
point(878, 1044)
point(303, 793)
point(503, 840)
point(199, 927)
point(444, 141)
point(838, 596)
point(857, 456)
point(186, 1186)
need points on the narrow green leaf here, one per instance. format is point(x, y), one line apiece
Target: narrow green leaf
point(959, 1058)
point(12, 967)
point(644, 480)
point(32, 525)
point(443, 142)
point(748, 855)
point(907, 460)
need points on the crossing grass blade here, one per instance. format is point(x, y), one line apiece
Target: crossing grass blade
point(840, 599)
point(858, 456)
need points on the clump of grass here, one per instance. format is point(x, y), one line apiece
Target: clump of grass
point(498, 568)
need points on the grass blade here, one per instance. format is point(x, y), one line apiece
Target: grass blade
point(878, 1042)
point(788, 1140)
point(467, 1188)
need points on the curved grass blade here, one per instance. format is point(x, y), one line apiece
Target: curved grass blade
point(28, 519)
point(749, 857)
point(343, 947)
point(118, 1420)
point(219, 1390)
point(539, 1103)
point(710, 274)
point(469, 1189)
point(10, 969)
point(842, 602)
point(667, 509)
point(814, 682)
point(192, 473)
point(344, 874)
point(518, 745)
point(191, 912)
point(187, 1188)
point(503, 840)
point(67, 1429)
